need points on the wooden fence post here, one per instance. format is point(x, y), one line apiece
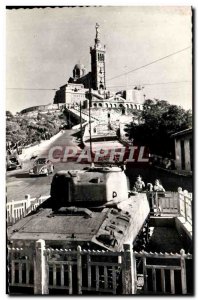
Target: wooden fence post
point(27, 197)
point(128, 280)
point(183, 272)
point(40, 269)
point(79, 270)
point(12, 216)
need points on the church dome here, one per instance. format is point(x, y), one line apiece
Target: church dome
point(79, 66)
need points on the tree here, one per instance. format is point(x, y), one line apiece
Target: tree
point(9, 115)
point(30, 129)
point(160, 120)
point(14, 133)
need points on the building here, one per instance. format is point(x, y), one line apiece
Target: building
point(76, 90)
point(71, 94)
point(183, 150)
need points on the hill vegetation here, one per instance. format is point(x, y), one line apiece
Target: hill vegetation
point(26, 129)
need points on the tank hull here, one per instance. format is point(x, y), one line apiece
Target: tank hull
point(107, 227)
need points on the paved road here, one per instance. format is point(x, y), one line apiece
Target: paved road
point(19, 183)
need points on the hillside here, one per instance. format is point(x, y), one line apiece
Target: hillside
point(27, 129)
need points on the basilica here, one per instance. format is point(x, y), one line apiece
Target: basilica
point(78, 88)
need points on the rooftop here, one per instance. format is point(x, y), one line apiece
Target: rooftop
point(183, 132)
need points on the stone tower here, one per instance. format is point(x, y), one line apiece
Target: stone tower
point(98, 62)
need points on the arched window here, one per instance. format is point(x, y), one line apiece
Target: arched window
point(100, 104)
point(78, 72)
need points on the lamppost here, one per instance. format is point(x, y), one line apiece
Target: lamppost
point(90, 140)
point(81, 122)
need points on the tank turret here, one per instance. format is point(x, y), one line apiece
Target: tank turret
point(89, 187)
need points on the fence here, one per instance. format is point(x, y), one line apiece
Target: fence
point(163, 273)
point(17, 209)
point(172, 203)
point(97, 272)
point(94, 274)
point(75, 272)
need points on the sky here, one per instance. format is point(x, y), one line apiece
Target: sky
point(43, 45)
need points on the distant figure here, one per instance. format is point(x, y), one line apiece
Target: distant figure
point(168, 164)
point(160, 193)
point(139, 184)
point(158, 187)
point(149, 187)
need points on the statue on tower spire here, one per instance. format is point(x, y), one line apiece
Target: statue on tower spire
point(97, 39)
point(97, 31)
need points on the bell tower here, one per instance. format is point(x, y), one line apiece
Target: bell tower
point(98, 62)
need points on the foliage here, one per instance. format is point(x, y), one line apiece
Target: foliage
point(9, 114)
point(28, 129)
point(159, 120)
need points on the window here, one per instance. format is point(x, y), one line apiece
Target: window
point(182, 155)
point(191, 154)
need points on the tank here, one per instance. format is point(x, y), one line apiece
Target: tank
point(92, 207)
